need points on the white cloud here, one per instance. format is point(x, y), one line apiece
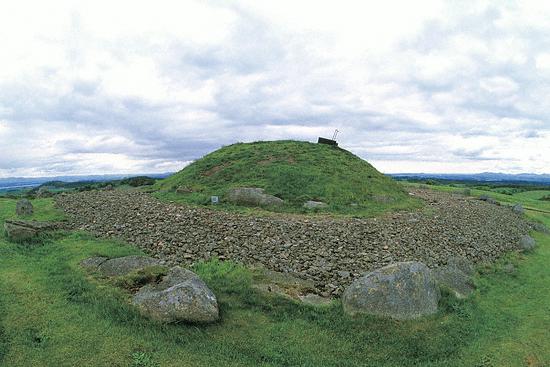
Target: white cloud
point(130, 86)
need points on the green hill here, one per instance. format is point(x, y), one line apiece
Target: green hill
point(291, 170)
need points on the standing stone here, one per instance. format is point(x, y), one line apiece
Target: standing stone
point(24, 207)
point(404, 290)
point(180, 296)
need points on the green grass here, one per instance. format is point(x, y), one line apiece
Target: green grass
point(54, 314)
point(292, 170)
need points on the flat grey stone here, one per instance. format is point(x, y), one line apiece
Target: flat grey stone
point(315, 205)
point(252, 196)
point(93, 263)
point(124, 265)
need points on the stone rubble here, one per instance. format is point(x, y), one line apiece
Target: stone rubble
point(330, 252)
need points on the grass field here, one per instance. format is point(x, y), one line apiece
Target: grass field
point(53, 314)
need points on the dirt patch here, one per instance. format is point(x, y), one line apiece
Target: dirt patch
point(214, 170)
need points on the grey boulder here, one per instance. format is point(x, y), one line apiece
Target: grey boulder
point(314, 205)
point(252, 196)
point(24, 207)
point(93, 263)
point(404, 290)
point(527, 243)
point(124, 265)
point(518, 209)
point(180, 296)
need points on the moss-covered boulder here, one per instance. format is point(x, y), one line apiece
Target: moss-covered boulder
point(180, 296)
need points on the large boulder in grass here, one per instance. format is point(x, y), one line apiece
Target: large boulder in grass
point(404, 290)
point(120, 266)
point(24, 207)
point(252, 196)
point(180, 296)
point(25, 230)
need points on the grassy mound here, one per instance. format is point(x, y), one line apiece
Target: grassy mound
point(291, 170)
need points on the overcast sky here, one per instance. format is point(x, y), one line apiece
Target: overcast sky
point(412, 86)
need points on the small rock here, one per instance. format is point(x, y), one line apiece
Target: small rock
point(24, 207)
point(315, 205)
point(509, 269)
point(518, 209)
point(315, 300)
point(527, 243)
point(180, 296)
point(344, 274)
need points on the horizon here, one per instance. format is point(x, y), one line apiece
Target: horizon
point(432, 86)
point(153, 174)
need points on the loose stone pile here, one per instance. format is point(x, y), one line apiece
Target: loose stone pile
point(329, 252)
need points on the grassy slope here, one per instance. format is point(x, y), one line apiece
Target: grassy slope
point(52, 314)
point(294, 171)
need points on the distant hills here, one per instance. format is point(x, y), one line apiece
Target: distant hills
point(12, 183)
point(480, 177)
